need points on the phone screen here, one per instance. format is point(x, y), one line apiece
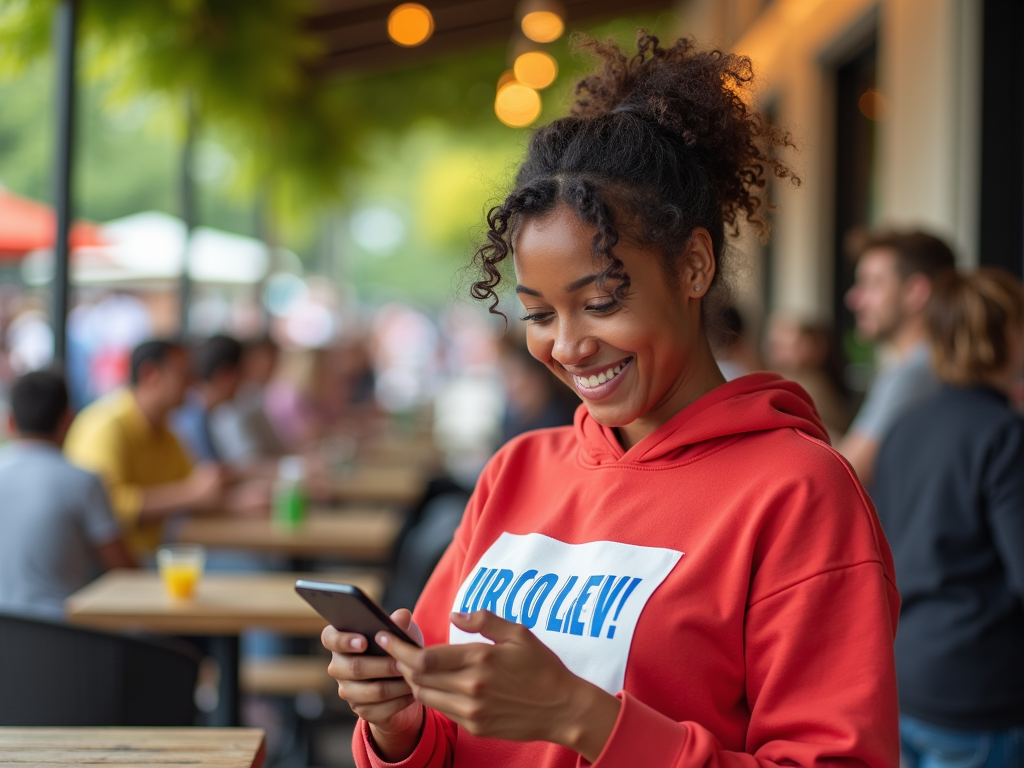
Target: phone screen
point(348, 609)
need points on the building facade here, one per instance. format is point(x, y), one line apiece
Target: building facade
point(905, 113)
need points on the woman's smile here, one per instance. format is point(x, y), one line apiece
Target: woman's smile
point(601, 382)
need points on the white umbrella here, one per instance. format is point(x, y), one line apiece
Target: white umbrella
point(149, 246)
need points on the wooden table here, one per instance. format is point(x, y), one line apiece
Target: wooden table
point(128, 747)
point(224, 606)
point(366, 535)
point(379, 484)
point(388, 449)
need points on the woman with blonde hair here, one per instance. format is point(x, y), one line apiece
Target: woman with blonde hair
point(950, 494)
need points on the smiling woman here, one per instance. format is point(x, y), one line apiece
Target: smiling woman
point(689, 575)
point(625, 357)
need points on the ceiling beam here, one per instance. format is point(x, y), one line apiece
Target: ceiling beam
point(354, 32)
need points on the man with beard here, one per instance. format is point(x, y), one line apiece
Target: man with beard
point(893, 282)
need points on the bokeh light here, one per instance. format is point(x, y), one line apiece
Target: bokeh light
point(517, 105)
point(508, 76)
point(536, 69)
point(873, 105)
point(410, 24)
point(543, 26)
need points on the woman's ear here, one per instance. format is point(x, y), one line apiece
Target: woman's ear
point(697, 268)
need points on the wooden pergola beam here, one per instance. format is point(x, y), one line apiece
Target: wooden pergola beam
point(354, 32)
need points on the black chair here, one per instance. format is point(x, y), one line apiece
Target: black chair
point(59, 675)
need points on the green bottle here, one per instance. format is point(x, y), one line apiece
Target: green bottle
point(289, 494)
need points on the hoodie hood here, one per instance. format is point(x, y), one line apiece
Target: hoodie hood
point(754, 403)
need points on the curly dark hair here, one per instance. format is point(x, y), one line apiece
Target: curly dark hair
point(655, 145)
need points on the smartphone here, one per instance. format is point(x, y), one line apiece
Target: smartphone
point(348, 609)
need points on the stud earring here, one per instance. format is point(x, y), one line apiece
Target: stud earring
point(697, 288)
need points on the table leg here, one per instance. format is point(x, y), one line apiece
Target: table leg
point(225, 651)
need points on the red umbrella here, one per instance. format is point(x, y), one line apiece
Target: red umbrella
point(26, 225)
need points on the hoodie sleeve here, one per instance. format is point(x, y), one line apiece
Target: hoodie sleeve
point(437, 742)
point(820, 685)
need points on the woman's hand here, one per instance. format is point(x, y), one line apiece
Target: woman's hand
point(516, 689)
point(375, 690)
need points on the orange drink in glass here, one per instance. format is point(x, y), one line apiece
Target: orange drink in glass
point(181, 568)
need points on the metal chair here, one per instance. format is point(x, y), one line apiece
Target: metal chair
point(59, 675)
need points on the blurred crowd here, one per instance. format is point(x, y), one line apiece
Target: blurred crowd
point(141, 431)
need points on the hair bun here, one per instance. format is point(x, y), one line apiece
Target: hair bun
point(697, 97)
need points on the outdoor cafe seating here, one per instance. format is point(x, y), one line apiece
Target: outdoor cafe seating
point(56, 674)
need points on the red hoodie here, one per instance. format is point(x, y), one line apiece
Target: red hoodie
point(726, 577)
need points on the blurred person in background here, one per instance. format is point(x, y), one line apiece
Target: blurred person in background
point(240, 430)
point(355, 368)
point(949, 489)
point(217, 362)
point(892, 285)
point(801, 351)
point(30, 339)
point(295, 400)
point(101, 336)
point(732, 346)
point(57, 531)
point(125, 438)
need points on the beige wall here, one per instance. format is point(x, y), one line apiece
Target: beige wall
point(928, 145)
point(930, 68)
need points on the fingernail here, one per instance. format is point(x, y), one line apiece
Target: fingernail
point(356, 643)
point(382, 640)
point(459, 615)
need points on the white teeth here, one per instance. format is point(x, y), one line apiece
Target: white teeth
point(587, 382)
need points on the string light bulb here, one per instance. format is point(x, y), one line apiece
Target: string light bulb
point(536, 69)
point(517, 105)
point(543, 26)
point(410, 24)
point(542, 21)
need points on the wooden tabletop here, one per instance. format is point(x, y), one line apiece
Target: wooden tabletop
point(224, 604)
point(127, 747)
point(389, 449)
point(379, 483)
point(356, 534)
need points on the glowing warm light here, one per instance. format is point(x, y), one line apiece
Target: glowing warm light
point(508, 76)
point(410, 24)
point(517, 105)
point(543, 26)
point(873, 105)
point(536, 69)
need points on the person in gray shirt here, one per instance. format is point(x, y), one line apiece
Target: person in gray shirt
point(892, 287)
point(57, 531)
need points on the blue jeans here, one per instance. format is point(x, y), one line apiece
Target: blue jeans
point(923, 745)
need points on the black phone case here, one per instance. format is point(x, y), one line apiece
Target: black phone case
point(348, 609)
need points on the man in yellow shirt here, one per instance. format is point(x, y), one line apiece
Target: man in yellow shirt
point(124, 438)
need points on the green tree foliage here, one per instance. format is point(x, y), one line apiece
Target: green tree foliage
point(126, 160)
point(422, 141)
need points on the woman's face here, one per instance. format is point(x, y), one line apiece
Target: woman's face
point(635, 363)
